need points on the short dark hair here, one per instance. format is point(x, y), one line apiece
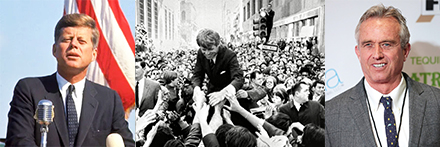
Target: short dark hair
point(280, 92)
point(318, 82)
point(254, 74)
point(240, 137)
point(313, 136)
point(297, 87)
point(143, 64)
point(221, 134)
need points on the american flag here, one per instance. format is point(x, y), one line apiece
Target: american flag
point(114, 65)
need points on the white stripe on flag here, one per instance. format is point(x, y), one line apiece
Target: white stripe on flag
point(111, 31)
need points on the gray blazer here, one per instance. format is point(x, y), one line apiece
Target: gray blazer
point(347, 119)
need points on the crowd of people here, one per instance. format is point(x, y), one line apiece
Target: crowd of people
point(275, 83)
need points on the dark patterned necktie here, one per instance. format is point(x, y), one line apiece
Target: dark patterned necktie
point(390, 122)
point(137, 94)
point(72, 118)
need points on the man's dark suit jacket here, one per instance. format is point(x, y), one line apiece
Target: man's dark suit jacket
point(310, 112)
point(348, 120)
point(102, 113)
point(149, 96)
point(225, 71)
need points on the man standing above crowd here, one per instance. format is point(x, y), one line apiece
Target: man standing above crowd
point(386, 107)
point(269, 23)
point(222, 68)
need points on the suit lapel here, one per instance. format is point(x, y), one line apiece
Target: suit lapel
point(417, 106)
point(146, 92)
point(89, 107)
point(359, 112)
point(59, 120)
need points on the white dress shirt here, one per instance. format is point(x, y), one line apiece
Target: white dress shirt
point(77, 94)
point(141, 89)
point(377, 109)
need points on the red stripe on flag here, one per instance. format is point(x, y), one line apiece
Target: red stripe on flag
point(123, 24)
point(107, 63)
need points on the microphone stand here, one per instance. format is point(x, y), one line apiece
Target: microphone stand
point(44, 129)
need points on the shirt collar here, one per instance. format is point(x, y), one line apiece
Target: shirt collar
point(397, 94)
point(296, 105)
point(63, 84)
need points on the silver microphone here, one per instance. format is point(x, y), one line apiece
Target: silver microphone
point(44, 116)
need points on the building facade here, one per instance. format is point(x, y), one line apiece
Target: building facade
point(294, 19)
point(160, 19)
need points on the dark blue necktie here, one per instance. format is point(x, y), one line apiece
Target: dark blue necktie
point(390, 122)
point(72, 118)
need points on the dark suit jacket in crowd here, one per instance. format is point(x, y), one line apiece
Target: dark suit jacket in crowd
point(310, 112)
point(225, 71)
point(348, 120)
point(102, 113)
point(149, 96)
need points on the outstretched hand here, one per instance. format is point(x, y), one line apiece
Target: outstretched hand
point(216, 97)
point(235, 106)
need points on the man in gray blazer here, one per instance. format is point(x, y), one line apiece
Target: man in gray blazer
point(387, 107)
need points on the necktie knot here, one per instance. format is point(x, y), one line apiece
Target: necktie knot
point(386, 101)
point(70, 89)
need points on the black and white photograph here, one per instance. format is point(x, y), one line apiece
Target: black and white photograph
point(230, 73)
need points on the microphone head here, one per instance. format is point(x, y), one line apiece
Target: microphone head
point(44, 113)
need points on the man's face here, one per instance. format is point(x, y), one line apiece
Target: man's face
point(379, 51)
point(139, 71)
point(74, 49)
point(259, 79)
point(319, 88)
point(302, 95)
point(210, 52)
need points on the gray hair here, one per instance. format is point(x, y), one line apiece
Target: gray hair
point(380, 11)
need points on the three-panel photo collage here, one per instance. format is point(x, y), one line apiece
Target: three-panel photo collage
point(220, 73)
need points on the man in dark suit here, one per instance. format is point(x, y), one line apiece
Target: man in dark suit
point(387, 107)
point(147, 89)
point(222, 68)
point(94, 111)
point(300, 109)
point(269, 23)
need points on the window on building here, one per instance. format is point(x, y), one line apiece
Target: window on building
point(141, 12)
point(253, 7)
point(244, 14)
point(156, 22)
point(183, 16)
point(260, 5)
point(169, 25)
point(149, 19)
point(248, 10)
point(166, 24)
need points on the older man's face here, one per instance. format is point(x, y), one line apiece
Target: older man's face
point(379, 51)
